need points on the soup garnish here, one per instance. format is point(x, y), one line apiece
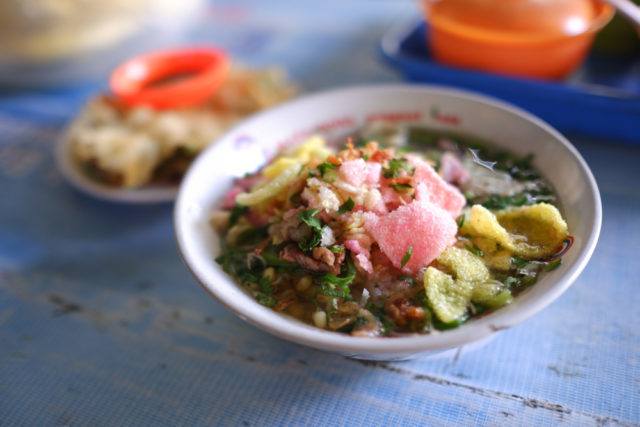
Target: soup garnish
point(389, 236)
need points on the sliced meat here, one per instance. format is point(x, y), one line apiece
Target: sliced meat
point(321, 259)
point(292, 253)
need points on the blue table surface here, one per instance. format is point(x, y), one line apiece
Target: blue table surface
point(101, 324)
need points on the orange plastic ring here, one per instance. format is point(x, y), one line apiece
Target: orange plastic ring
point(135, 82)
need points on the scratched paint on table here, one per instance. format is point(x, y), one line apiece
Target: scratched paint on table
point(101, 324)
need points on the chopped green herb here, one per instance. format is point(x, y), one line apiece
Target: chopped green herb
point(232, 261)
point(401, 188)
point(519, 262)
point(338, 287)
point(388, 325)
point(360, 321)
point(497, 202)
point(252, 236)
point(375, 309)
point(307, 244)
point(359, 141)
point(323, 168)
point(529, 197)
point(309, 217)
point(511, 282)
point(266, 286)
point(444, 326)
point(378, 311)
point(528, 280)
point(336, 249)
point(552, 265)
point(520, 281)
point(271, 258)
point(522, 169)
point(266, 300)
point(396, 166)
point(255, 263)
point(469, 197)
point(265, 295)
point(347, 206)
point(236, 213)
point(475, 250)
point(406, 257)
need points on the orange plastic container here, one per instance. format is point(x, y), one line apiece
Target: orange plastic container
point(545, 39)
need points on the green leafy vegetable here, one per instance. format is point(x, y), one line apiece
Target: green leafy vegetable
point(359, 141)
point(252, 236)
point(338, 286)
point(271, 258)
point(520, 168)
point(530, 197)
point(325, 167)
point(347, 206)
point(377, 310)
point(266, 300)
point(336, 249)
point(236, 213)
point(406, 257)
point(519, 282)
point(445, 326)
point(519, 262)
point(552, 265)
point(388, 325)
point(401, 188)
point(469, 197)
point(360, 321)
point(309, 218)
point(233, 261)
point(475, 250)
point(497, 202)
point(266, 287)
point(395, 167)
point(265, 295)
point(236, 262)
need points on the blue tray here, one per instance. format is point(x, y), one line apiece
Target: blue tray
point(602, 99)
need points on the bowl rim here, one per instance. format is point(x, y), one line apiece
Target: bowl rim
point(293, 330)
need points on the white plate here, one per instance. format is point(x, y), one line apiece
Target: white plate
point(247, 147)
point(73, 173)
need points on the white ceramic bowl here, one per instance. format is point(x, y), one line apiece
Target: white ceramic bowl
point(333, 113)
